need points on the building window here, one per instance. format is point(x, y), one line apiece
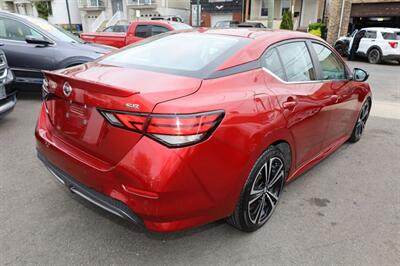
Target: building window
point(285, 6)
point(264, 8)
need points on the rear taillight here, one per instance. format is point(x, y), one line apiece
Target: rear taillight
point(175, 130)
point(394, 44)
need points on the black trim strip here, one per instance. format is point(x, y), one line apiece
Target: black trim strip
point(235, 70)
point(112, 205)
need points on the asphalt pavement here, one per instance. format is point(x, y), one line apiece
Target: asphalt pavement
point(344, 211)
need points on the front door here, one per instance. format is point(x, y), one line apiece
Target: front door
point(116, 6)
point(343, 110)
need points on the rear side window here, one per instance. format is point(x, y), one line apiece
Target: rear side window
point(389, 36)
point(158, 30)
point(272, 62)
point(332, 68)
point(297, 62)
point(142, 31)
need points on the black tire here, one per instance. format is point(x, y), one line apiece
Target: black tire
point(341, 49)
point(361, 122)
point(374, 56)
point(258, 201)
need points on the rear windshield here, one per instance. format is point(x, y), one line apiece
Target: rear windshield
point(389, 36)
point(188, 54)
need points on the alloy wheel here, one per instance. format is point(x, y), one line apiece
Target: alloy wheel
point(265, 190)
point(374, 56)
point(362, 119)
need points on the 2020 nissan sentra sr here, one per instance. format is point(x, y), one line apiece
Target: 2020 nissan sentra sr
point(191, 127)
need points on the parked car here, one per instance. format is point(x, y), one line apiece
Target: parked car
point(32, 45)
point(117, 28)
point(8, 95)
point(138, 30)
point(376, 44)
point(224, 24)
point(171, 18)
point(251, 25)
point(173, 138)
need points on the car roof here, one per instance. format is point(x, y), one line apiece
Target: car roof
point(260, 38)
point(381, 29)
point(255, 33)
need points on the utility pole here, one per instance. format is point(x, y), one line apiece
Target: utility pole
point(271, 11)
point(69, 16)
point(246, 11)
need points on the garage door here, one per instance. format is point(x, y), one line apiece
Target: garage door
point(220, 17)
point(375, 15)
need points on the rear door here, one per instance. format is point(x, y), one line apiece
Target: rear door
point(26, 60)
point(367, 41)
point(304, 100)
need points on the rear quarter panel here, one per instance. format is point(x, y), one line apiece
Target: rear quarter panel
point(250, 125)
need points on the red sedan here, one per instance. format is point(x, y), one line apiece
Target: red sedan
point(191, 127)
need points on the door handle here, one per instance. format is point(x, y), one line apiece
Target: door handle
point(334, 98)
point(290, 103)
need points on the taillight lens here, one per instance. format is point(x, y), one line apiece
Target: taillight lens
point(393, 44)
point(175, 130)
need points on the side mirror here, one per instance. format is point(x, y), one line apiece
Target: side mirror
point(359, 75)
point(37, 40)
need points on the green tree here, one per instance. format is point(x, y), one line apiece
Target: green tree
point(287, 21)
point(42, 8)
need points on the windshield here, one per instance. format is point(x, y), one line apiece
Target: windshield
point(56, 31)
point(190, 53)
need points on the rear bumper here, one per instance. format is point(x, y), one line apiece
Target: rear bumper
point(107, 203)
point(162, 191)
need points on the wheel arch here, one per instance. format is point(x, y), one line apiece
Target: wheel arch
point(374, 47)
point(73, 61)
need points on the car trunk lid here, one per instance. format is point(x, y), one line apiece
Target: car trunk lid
point(77, 94)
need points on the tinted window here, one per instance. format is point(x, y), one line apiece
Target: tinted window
point(15, 30)
point(158, 30)
point(389, 36)
point(272, 63)
point(297, 62)
point(109, 29)
point(222, 24)
point(195, 54)
point(370, 34)
point(142, 31)
point(332, 68)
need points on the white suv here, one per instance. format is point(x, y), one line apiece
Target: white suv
point(377, 44)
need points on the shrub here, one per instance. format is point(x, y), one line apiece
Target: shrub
point(318, 29)
point(287, 21)
point(42, 9)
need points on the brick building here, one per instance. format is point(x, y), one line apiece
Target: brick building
point(349, 15)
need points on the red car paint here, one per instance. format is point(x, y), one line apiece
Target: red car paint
point(121, 39)
point(177, 188)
